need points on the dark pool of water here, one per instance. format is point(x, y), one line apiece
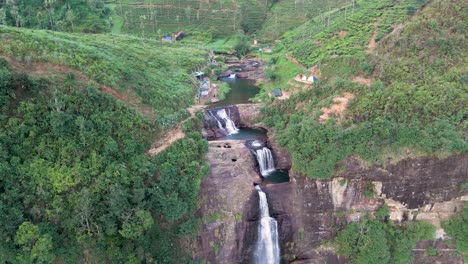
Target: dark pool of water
point(247, 134)
point(241, 91)
point(277, 176)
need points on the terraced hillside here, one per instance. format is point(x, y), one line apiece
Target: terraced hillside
point(404, 97)
point(286, 15)
point(218, 17)
point(347, 31)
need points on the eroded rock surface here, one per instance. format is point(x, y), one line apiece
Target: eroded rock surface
point(249, 114)
point(311, 211)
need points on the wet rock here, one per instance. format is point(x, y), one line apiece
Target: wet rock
point(242, 75)
point(282, 156)
point(226, 74)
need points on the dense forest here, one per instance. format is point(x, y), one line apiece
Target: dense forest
point(76, 180)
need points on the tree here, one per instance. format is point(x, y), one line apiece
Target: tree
point(36, 247)
point(48, 4)
point(70, 17)
point(14, 11)
point(2, 17)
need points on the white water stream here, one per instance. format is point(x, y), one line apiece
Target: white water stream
point(265, 161)
point(267, 249)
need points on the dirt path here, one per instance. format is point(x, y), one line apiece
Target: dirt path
point(293, 60)
point(41, 69)
point(372, 43)
point(172, 135)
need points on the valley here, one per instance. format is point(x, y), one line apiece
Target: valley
point(245, 131)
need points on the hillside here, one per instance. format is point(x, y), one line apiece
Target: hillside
point(149, 76)
point(76, 182)
point(371, 103)
point(214, 18)
point(58, 15)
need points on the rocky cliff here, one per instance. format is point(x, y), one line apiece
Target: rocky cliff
point(310, 212)
point(227, 199)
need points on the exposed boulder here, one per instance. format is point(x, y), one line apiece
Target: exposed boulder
point(228, 205)
point(249, 114)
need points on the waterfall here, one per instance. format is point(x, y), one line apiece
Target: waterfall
point(230, 125)
point(267, 249)
point(220, 126)
point(265, 161)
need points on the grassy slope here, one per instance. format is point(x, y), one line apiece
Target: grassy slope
point(320, 39)
point(416, 102)
point(146, 72)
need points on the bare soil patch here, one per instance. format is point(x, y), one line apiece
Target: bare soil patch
point(372, 44)
point(362, 80)
point(337, 109)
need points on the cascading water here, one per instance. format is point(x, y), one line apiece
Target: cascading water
point(220, 126)
point(267, 250)
point(230, 125)
point(265, 161)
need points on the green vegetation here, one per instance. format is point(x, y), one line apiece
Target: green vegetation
point(58, 15)
point(457, 228)
point(416, 101)
point(372, 241)
point(144, 72)
point(344, 31)
point(215, 17)
point(76, 180)
point(286, 15)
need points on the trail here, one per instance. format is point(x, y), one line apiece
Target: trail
point(293, 60)
point(372, 43)
point(40, 69)
point(172, 135)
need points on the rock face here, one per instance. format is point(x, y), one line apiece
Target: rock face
point(311, 211)
point(282, 156)
point(249, 114)
point(227, 203)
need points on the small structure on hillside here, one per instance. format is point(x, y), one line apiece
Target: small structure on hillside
point(312, 79)
point(166, 38)
point(276, 93)
point(200, 75)
point(179, 35)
